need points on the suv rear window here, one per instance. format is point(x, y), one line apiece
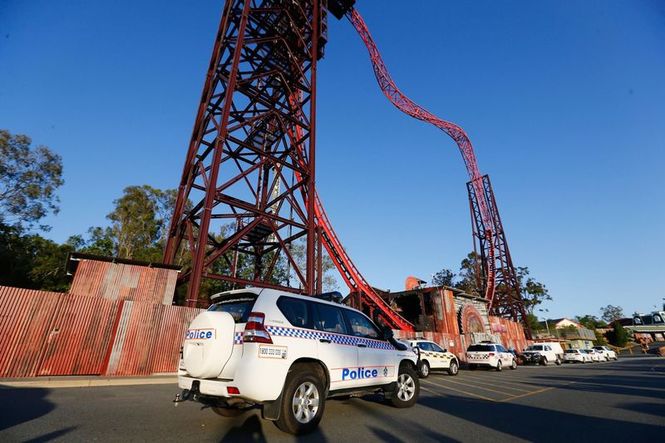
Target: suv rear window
point(571, 351)
point(238, 305)
point(481, 348)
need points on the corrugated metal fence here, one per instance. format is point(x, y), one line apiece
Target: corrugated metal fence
point(121, 281)
point(50, 333)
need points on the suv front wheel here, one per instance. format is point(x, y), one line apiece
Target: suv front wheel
point(407, 388)
point(303, 401)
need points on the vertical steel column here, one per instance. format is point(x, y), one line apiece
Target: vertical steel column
point(311, 182)
point(197, 264)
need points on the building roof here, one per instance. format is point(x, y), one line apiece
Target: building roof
point(75, 257)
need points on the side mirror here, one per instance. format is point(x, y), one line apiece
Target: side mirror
point(387, 333)
point(444, 350)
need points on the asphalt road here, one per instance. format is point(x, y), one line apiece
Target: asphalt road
point(603, 401)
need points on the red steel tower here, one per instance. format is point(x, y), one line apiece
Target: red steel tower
point(246, 190)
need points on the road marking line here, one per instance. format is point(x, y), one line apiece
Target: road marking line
point(438, 394)
point(539, 391)
point(501, 385)
point(461, 391)
point(502, 380)
point(479, 387)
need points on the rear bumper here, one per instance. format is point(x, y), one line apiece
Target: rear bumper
point(216, 388)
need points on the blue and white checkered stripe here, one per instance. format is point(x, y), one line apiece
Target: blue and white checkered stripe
point(237, 339)
point(341, 339)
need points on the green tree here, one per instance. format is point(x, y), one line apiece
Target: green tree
point(535, 325)
point(470, 275)
point(29, 179)
point(329, 282)
point(134, 223)
point(591, 322)
point(600, 339)
point(138, 229)
point(618, 336)
point(611, 313)
point(533, 292)
point(444, 277)
point(31, 261)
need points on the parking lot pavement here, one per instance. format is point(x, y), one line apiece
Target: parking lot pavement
point(616, 400)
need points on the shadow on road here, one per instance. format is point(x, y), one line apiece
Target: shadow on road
point(26, 404)
point(526, 422)
point(51, 435)
point(251, 430)
point(655, 409)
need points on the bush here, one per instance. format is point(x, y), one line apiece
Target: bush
point(618, 336)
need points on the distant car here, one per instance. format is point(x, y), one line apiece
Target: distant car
point(607, 352)
point(595, 356)
point(493, 355)
point(433, 356)
point(541, 353)
point(576, 356)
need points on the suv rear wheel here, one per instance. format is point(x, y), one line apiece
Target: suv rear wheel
point(303, 401)
point(407, 388)
point(423, 371)
point(453, 369)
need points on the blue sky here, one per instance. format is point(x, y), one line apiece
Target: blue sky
point(563, 101)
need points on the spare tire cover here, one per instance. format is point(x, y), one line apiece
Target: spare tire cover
point(208, 344)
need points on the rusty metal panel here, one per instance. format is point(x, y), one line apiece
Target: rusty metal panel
point(174, 323)
point(136, 334)
point(25, 317)
point(452, 321)
point(118, 281)
point(79, 336)
point(511, 333)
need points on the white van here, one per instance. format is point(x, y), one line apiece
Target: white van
point(286, 354)
point(543, 353)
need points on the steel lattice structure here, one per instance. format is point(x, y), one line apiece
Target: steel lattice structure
point(250, 166)
point(507, 301)
point(241, 166)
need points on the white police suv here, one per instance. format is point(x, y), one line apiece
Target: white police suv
point(286, 354)
point(433, 356)
point(493, 355)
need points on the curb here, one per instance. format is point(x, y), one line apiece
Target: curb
point(87, 382)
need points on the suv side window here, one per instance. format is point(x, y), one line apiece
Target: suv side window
point(295, 311)
point(361, 326)
point(500, 348)
point(436, 347)
point(329, 318)
point(424, 346)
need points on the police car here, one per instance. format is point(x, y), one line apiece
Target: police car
point(286, 354)
point(433, 356)
point(493, 355)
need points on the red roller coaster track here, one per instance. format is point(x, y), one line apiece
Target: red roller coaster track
point(409, 107)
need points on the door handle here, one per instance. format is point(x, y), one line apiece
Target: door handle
point(362, 345)
point(324, 340)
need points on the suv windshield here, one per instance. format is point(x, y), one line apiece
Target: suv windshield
point(571, 351)
point(535, 348)
point(238, 305)
point(480, 348)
